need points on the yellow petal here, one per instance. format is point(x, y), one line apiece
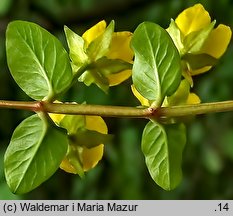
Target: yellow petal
point(193, 99)
point(120, 49)
point(120, 46)
point(67, 166)
point(96, 123)
point(218, 40)
point(56, 117)
point(115, 79)
point(193, 19)
point(200, 71)
point(91, 156)
point(142, 100)
point(94, 32)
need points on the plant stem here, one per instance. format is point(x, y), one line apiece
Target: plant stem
point(195, 109)
point(22, 105)
point(100, 110)
point(118, 111)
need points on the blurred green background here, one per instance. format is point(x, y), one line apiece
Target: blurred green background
point(122, 174)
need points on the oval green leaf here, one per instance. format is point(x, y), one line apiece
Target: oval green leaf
point(157, 65)
point(34, 154)
point(162, 147)
point(37, 60)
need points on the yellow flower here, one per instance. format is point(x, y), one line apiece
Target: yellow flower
point(142, 100)
point(182, 96)
point(91, 156)
point(56, 117)
point(119, 49)
point(197, 36)
point(88, 157)
point(94, 32)
point(193, 99)
point(193, 19)
point(218, 40)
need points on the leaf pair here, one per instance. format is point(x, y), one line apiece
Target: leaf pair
point(37, 57)
point(156, 75)
point(41, 67)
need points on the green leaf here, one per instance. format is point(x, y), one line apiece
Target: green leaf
point(72, 123)
point(37, 60)
point(107, 66)
point(157, 65)
point(198, 61)
point(194, 42)
point(100, 46)
point(90, 138)
point(34, 154)
point(76, 47)
point(163, 147)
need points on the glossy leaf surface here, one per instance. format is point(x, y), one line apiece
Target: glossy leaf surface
point(162, 147)
point(34, 154)
point(37, 60)
point(157, 67)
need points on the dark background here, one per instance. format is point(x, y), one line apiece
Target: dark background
point(122, 174)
